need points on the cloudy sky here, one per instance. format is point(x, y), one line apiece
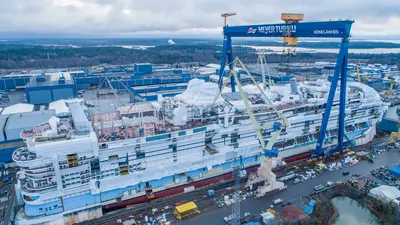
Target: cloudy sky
point(374, 18)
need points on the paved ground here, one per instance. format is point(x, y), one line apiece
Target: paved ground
point(8, 192)
point(294, 193)
point(15, 97)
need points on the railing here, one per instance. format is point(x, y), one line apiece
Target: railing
point(28, 188)
point(22, 154)
point(38, 167)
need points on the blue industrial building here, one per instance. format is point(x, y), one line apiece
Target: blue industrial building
point(15, 81)
point(145, 68)
point(46, 88)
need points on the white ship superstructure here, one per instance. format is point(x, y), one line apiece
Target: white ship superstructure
point(72, 168)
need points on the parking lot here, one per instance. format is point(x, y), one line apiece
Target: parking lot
point(297, 194)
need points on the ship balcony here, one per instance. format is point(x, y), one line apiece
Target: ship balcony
point(28, 187)
point(39, 171)
point(40, 177)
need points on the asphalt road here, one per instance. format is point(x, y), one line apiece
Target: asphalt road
point(213, 215)
point(11, 197)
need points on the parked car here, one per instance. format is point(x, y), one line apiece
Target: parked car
point(277, 201)
point(296, 181)
point(329, 183)
point(319, 187)
point(286, 204)
point(228, 219)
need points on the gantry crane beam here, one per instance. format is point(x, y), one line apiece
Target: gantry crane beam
point(326, 29)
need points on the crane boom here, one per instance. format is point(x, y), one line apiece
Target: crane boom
point(253, 120)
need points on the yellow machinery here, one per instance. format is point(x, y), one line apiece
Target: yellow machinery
point(365, 79)
point(288, 40)
point(390, 91)
point(185, 210)
point(393, 137)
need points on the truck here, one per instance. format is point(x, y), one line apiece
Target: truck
point(287, 176)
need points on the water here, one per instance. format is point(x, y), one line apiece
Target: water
point(353, 213)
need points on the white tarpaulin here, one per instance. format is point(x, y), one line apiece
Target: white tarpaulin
point(60, 107)
point(385, 193)
point(17, 108)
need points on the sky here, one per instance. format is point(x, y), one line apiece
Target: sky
point(185, 18)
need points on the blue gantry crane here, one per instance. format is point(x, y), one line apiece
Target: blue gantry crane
point(325, 29)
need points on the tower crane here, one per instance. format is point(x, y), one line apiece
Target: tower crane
point(261, 60)
point(325, 29)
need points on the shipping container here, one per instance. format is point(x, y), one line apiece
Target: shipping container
point(395, 171)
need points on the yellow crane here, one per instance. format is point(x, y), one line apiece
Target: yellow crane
point(390, 91)
point(394, 137)
point(290, 19)
point(225, 15)
point(258, 128)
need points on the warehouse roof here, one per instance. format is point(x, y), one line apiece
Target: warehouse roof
point(51, 79)
point(29, 119)
point(385, 193)
point(292, 214)
point(18, 108)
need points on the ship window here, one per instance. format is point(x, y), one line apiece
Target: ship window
point(113, 158)
point(140, 155)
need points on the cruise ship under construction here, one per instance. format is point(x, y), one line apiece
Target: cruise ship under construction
point(75, 168)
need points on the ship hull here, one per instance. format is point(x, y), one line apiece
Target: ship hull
point(196, 184)
point(175, 190)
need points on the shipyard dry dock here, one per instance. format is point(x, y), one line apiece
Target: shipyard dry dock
point(74, 168)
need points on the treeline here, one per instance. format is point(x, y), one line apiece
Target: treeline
point(30, 56)
point(111, 42)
